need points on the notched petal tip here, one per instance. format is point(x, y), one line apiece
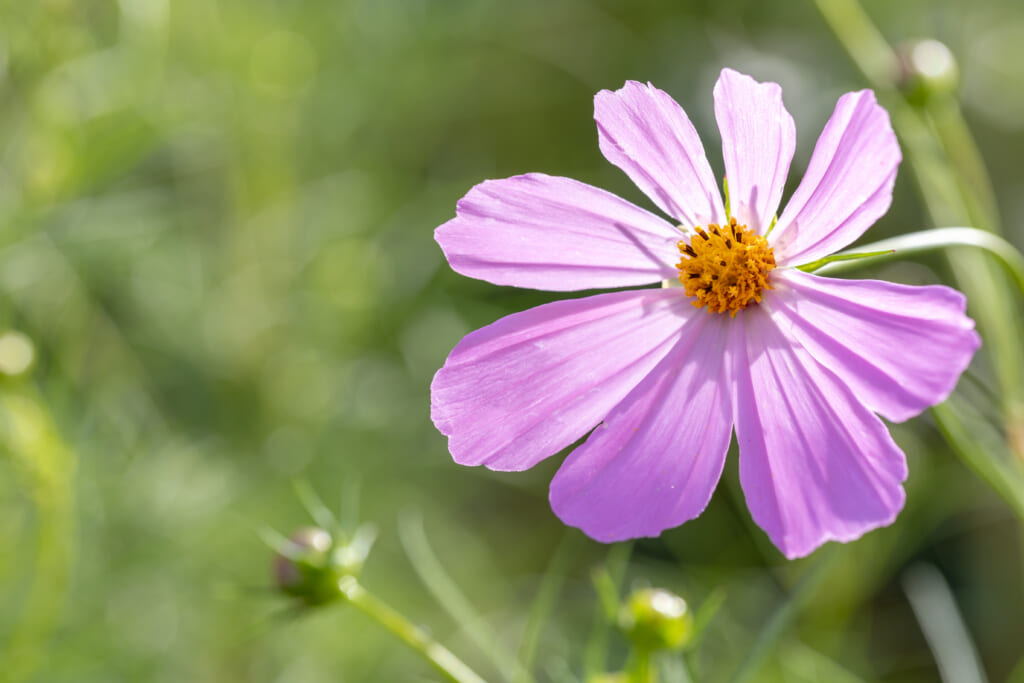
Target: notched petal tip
point(645, 132)
point(800, 548)
point(758, 141)
point(552, 233)
point(731, 77)
point(816, 464)
point(521, 389)
point(848, 183)
point(657, 459)
point(607, 97)
point(898, 348)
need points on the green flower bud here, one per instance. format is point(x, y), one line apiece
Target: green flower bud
point(927, 68)
point(305, 570)
point(309, 565)
point(655, 619)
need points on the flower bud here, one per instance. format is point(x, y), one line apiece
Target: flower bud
point(656, 619)
point(305, 569)
point(927, 68)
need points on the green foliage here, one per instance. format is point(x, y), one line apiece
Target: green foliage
point(216, 228)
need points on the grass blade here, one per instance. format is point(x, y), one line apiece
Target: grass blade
point(450, 596)
point(942, 625)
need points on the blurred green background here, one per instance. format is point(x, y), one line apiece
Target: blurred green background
point(216, 228)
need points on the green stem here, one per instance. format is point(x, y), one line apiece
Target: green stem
point(450, 666)
point(965, 158)
point(925, 241)
point(946, 163)
point(642, 671)
point(866, 45)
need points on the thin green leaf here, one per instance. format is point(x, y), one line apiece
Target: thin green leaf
point(810, 665)
point(352, 555)
point(607, 592)
point(279, 543)
point(938, 238)
point(943, 627)
point(348, 507)
point(315, 506)
point(834, 258)
point(705, 615)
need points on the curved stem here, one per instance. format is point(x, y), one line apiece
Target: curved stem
point(930, 240)
point(416, 638)
point(946, 163)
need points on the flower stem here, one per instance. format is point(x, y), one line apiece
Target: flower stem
point(642, 671)
point(955, 188)
point(925, 241)
point(416, 638)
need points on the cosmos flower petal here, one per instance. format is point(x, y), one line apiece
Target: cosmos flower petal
point(525, 387)
point(815, 464)
point(643, 131)
point(655, 461)
point(758, 139)
point(848, 184)
point(799, 369)
point(558, 234)
point(899, 348)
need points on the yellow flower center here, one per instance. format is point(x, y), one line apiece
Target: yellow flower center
point(725, 267)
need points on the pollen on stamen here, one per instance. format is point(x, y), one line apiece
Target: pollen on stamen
point(727, 269)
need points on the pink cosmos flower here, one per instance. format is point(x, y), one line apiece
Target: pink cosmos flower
point(801, 366)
